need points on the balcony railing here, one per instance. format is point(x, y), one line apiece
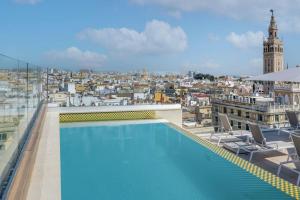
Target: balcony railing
point(270, 108)
point(291, 88)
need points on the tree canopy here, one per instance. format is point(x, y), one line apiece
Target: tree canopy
point(201, 76)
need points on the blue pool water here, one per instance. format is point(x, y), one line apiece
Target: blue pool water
point(149, 161)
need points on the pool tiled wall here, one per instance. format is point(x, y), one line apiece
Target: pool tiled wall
point(106, 116)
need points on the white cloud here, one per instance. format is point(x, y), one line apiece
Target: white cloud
point(75, 57)
point(158, 37)
point(32, 2)
point(246, 40)
point(286, 11)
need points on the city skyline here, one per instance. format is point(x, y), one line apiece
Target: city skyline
point(149, 99)
point(161, 36)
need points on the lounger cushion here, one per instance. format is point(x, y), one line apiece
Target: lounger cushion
point(233, 147)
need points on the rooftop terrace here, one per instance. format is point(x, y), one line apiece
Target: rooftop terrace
point(30, 132)
point(46, 169)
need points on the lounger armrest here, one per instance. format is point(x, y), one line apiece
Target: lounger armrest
point(289, 161)
point(272, 143)
point(244, 147)
point(284, 126)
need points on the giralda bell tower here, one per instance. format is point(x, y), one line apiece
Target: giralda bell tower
point(273, 49)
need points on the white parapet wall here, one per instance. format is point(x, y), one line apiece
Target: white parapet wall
point(169, 112)
point(173, 116)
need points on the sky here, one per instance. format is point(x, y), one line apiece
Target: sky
point(171, 36)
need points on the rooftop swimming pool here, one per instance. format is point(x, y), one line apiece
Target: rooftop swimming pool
point(149, 161)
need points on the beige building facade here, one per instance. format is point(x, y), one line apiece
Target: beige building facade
point(241, 111)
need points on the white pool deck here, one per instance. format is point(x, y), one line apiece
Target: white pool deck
point(155, 107)
point(45, 180)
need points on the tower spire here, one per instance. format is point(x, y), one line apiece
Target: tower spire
point(273, 26)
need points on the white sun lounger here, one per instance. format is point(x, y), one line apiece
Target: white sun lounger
point(227, 133)
point(293, 161)
point(258, 143)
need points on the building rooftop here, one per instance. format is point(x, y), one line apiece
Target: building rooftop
point(287, 75)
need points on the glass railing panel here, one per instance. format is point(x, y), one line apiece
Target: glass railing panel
point(10, 118)
point(20, 97)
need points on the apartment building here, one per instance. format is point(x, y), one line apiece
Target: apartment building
point(242, 110)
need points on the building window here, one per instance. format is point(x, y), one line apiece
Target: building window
point(216, 109)
point(239, 125)
point(239, 113)
point(225, 110)
point(247, 127)
point(260, 117)
point(276, 118)
point(231, 111)
point(3, 137)
point(231, 122)
point(247, 115)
